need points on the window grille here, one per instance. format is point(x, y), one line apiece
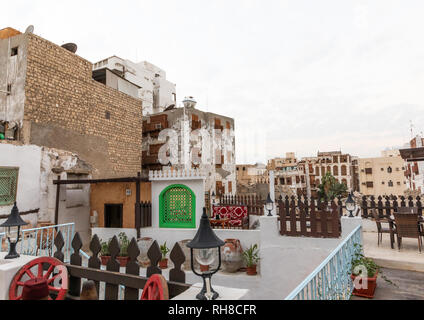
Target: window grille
point(8, 185)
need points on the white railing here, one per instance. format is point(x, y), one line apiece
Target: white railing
point(170, 174)
point(40, 241)
point(331, 279)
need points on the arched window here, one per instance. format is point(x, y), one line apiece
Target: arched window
point(344, 181)
point(177, 207)
point(390, 183)
point(329, 169)
point(335, 171)
point(344, 170)
point(389, 170)
point(322, 171)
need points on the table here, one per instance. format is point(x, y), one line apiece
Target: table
point(223, 222)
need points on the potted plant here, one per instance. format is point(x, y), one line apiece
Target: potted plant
point(163, 264)
point(251, 257)
point(364, 284)
point(123, 254)
point(104, 252)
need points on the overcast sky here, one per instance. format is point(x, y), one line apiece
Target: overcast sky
point(296, 75)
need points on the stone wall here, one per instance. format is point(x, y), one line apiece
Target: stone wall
point(66, 109)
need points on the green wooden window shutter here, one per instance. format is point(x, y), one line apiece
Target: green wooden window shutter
point(177, 207)
point(8, 185)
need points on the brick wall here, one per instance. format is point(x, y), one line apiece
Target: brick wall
point(66, 109)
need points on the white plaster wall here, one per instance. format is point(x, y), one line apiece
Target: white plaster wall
point(27, 158)
point(196, 185)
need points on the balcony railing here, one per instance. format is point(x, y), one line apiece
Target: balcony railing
point(40, 241)
point(331, 279)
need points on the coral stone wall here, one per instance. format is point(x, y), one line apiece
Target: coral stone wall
point(66, 109)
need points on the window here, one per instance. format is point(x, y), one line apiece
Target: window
point(368, 170)
point(344, 170)
point(8, 185)
point(177, 206)
point(9, 89)
point(398, 183)
point(370, 184)
point(14, 51)
point(335, 171)
point(389, 170)
point(382, 182)
point(113, 215)
point(107, 115)
point(390, 183)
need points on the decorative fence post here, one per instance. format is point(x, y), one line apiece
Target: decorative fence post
point(154, 254)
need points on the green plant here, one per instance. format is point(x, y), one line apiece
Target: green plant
point(164, 249)
point(251, 255)
point(330, 188)
point(123, 243)
point(104, 251)
point(359, 262)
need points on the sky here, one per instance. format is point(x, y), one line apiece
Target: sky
point(297, 76)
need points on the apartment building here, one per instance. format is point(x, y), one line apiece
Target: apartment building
point(248, 174)
point(383, 176)
point(186, 138)
point(156, 92)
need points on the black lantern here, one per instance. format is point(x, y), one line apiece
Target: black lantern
point(13, 221)
point(350, 205)
point(269, 205)
point(206, 243)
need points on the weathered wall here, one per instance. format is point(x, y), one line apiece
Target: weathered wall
point(66, 109)
point(13, 72)
point(27, 159)
point(115, 193)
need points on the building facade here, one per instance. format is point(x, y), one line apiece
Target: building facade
point(383, 176)
point(188, 138)
point(156, 92)
point(70, 125)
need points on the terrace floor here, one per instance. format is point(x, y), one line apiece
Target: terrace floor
point(410, 286)
point(408, 258)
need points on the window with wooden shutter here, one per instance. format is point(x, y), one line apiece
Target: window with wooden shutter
point(8, 185)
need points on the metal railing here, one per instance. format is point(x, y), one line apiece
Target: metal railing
point(331, 279)
point(40, 241)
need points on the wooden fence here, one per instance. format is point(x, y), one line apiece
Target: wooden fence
point(143, 212)
point(131, 279)
point(309, 220)
point(386, 205)
point(254, 204)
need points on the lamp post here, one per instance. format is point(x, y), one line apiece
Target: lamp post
point(12, 224)
point(350, 205)
point(205, 242)
point(269, 205)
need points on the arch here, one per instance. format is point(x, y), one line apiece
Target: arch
point(335, 171)
point(177, 207)
point(344, 170)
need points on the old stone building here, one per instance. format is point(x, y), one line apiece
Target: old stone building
point(382, 176)
point(187, 138)
point(67, 123)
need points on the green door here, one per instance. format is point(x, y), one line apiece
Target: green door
point(177, 207)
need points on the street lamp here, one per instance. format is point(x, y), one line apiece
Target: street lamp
point(269, 205)
point(14, 220)
point(206, 243)
point(350, 205)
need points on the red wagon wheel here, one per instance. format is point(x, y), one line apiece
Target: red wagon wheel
point(156, 288)
point(56, 276)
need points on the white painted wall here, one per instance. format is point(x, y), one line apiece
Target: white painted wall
point(27, 158)
point(196, 184)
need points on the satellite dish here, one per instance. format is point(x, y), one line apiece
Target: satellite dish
point(30, 29)
point(70, 47)
point(172, 106)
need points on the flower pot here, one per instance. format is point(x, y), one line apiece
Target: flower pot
point(251, 271)
point(104, 259)
point(163, 264)
point(204, 268)
point(362, 292)
point(122, 260)
point(232, 255)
